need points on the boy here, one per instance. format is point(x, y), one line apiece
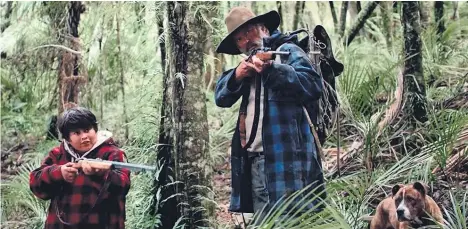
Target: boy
point(82, 196)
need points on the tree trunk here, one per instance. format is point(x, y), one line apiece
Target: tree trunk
point(59, 26)
point(333, 13)
point(219, 63)
point(139, 8)
point(167, 210)
point(122, 77)
point(344, 12)
point(69, 68)
point(455, 14)
point(102, 81)
point(352, 11)
point(297, 15)
point(354, 7)
point(214, 11)
point(415, 93)
point(6, 17)
point(396, 7)
point(439, 17)
point(278, 5)
point(303, 25)
point(387, 21)
point(187, 128)
point(424, 9)
point(361, 20)
point(177, 48)
point(162, 44)
point(193, 150)
point(358, 6)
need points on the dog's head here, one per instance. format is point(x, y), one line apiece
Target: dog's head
point(409, 201)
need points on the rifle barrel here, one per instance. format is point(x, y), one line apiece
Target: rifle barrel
point(133, 167)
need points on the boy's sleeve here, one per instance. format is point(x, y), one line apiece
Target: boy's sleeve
point(46, 181)
point(119, 178)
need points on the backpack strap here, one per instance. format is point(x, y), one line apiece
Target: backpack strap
point(314, 133)
point(253, 132)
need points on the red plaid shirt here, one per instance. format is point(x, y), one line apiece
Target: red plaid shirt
point(74, 202)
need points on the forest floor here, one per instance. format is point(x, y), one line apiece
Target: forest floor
point(19, 150)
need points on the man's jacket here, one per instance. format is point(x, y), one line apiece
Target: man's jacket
point(291, 160)
point(79, 203)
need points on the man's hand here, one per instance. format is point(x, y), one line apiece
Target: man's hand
point(88, 169)
point(243, 70)
point(259, 65)
point(264, 56)
point(69, 171)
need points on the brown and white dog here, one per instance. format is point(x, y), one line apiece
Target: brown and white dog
point(408, 207)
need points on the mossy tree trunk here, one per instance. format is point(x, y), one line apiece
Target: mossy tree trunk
point(193, 148)
point(414, 85)
point(185, 126)
point(168, 209)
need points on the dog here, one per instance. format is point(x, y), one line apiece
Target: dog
point(408, 207)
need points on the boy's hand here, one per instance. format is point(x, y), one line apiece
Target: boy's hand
point(69, 171)
point(88, 169)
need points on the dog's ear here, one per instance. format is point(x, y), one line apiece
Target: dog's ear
point(396, 188)
point(420, 187)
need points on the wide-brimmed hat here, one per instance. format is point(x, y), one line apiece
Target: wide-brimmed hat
point(240, 16)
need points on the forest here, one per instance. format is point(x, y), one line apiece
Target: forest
point(148, 71)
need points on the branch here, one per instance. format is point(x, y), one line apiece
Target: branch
point(335, 19)
point(58, 46)
point(343, 13)
point(361, 20)
point(394, 109)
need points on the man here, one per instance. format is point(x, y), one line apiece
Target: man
point(273, 149)
point(82, 196)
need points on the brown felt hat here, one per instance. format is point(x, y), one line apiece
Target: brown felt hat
point(240, 16)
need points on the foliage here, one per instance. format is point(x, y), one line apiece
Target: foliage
point(29, 97)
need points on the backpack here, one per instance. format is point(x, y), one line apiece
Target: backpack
point(323, 111)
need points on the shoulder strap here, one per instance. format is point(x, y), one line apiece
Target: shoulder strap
point(253, 132)
point(314, 133)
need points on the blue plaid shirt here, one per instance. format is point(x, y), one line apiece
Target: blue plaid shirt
point(291, 160)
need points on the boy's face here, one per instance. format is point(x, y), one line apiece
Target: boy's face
point(83, 140)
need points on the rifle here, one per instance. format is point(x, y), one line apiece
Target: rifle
point(105, 164)
point(265, 49)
